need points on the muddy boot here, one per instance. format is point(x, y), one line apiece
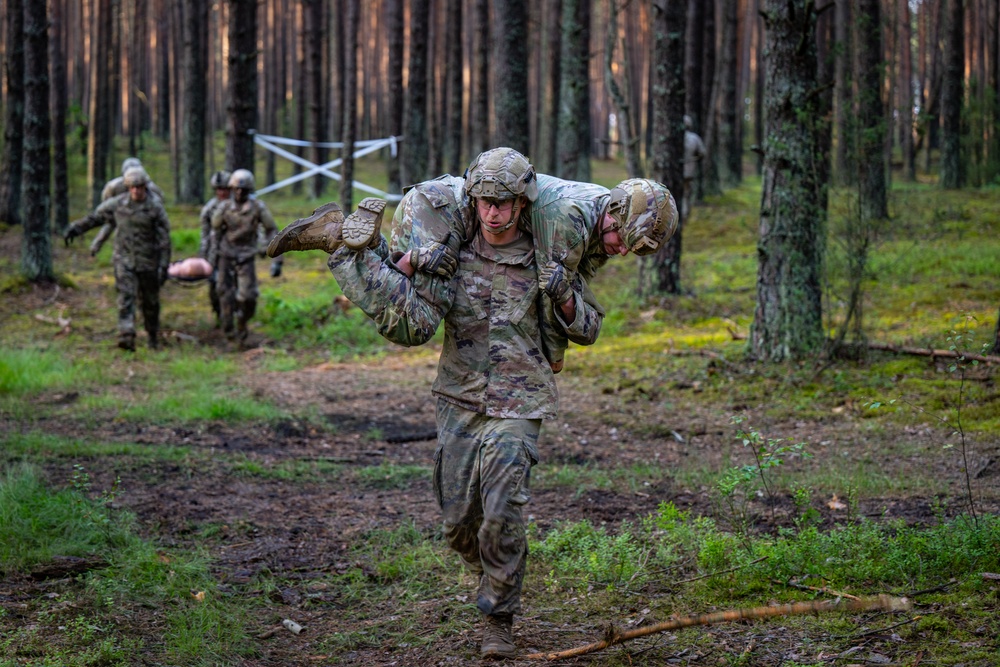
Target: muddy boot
point(498, 638)
point(126, 341)
point(362, 228)
point(320, 231)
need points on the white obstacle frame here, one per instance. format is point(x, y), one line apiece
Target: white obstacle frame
point(361, 148)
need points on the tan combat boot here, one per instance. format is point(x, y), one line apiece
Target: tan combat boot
point(498, 638)
point(362, 228)
point(320, 231)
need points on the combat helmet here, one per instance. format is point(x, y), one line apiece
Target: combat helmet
point(130, 162)
point(135, 176)
point(645, 214)
point(220, 179)
point(501, 173)
point(243, 179)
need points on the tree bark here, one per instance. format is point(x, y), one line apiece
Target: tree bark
point(549, 122)
point(574, 94)
point(709, 84)
point(952, 170)
point(313, 17)
point(730, 153)
point(511, 104)
point(394, 27)
point(58, 92)
point(906, 102)
point(99, 127)
point(871, 117)
point(36, 253)
point(788, 318)
point(668, 132)
point(192, 157)
point(242, 84)
point(415, 143)
point(350, 104)
point(453, 95)
point(842, 93)
point(481, 77)
point(12, 167)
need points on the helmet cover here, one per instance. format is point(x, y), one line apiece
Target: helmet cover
point(501, 173)
point(645, 214)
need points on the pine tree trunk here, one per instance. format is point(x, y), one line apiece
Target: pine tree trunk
point(313, 17)
point(415, 141)
point(574, 95)
point(668, 132)
point(36, 255)
point(621, 98)
point(842, 93)
point(694, 48)
point(952, 175)
point(99, 126)
point(192, 157)
point(12, 167)
point(242, 84)
point(906, 93)
point(871, 117)
point(730, 143)
point(453, 75)
point(709, 85)
point(511, 105)
point(350, 104)
point(58, 91)
point(481, 77)
point(788, 318)
point(549, 122)
point(394, 26)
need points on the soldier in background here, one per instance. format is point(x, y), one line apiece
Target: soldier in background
point(141, 253)
point(207, 249)
point(694, 153)
point(236, 223)
point(113, 188)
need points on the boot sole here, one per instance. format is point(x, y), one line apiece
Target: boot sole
point(361, 227)
point(287, 238)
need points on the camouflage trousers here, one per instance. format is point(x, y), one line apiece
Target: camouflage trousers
point(482, 469)
point(237, 287)
point(141, 285)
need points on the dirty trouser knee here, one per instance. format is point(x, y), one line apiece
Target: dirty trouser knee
point(226, 284)
point(481, 479)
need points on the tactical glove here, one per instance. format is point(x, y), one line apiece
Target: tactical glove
point(553, 279)
point(438, 258)
point(276, 267)
point(71, 233)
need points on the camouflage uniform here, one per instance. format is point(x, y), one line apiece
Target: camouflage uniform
point(114, 188)
point(494, 384)
point(235, 227)
point(141, 256)
point(208, 250)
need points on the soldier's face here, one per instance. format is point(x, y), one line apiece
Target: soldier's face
point(241, 195)
point(496, 217)
point(611, 240)
point(222, 193)
point(137, 192)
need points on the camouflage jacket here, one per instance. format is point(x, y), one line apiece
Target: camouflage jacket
point(206, 247)
point(236, 227)
point(142, 231)
point(492, 361)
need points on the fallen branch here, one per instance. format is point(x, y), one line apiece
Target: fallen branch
point(931, 352)
point(823, 589)
point(712, 574)
point(613, 636)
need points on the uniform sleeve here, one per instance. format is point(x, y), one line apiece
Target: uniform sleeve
point(217, 221)
point(406, 311)
point(206, 230)
point(585, 329)
point(102, 235)
point(163, 238)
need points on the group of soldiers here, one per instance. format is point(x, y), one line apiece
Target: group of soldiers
point(232, 225)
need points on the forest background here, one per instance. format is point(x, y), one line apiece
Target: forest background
point(292, 481)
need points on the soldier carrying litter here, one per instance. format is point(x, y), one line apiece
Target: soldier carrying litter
point(141, 253)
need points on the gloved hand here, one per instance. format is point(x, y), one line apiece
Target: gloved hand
point(553, 279)
point(71, 233)
point(438, 258)
point(276, 267)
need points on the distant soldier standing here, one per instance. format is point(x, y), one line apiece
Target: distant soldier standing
point(113, 188)
point(207, 249)
point(141, 255)
point(235, 223)
point(694, 153)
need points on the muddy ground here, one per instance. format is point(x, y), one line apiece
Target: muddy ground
point(383, 412)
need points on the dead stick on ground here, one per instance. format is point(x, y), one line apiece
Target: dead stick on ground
point(612, 636)
point(712, 574)
point(824, 589)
